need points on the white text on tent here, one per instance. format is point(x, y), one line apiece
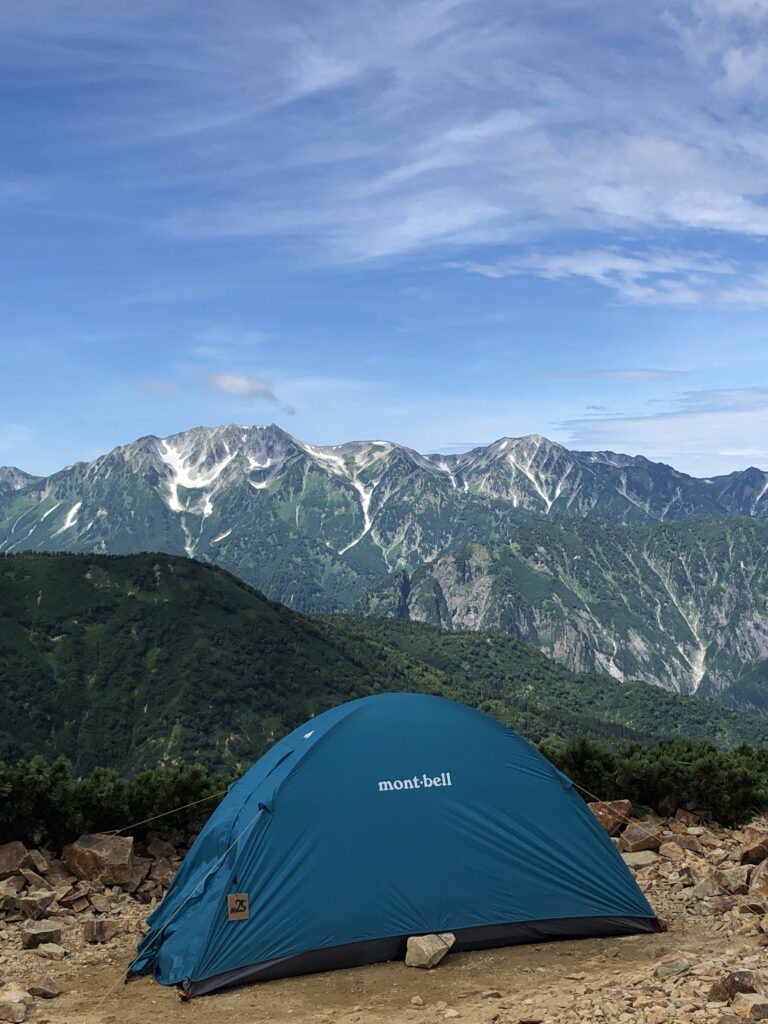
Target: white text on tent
point(417, 782)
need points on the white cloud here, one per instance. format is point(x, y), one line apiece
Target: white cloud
point(242, 385)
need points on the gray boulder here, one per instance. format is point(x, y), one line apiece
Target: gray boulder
point(428, 950)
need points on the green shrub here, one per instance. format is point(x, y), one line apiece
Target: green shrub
point(731, 785)
point(43, 802)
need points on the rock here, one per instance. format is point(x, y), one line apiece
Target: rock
point(139, 872)
point(44, 987)
point(759, 879)
point(73, 894)
point(750, 1006)
point(637, 838)
point(33, 880)
point(9, 895)
point(640, 860)
point(612, 814)
point(13, 857)
point(451, 1014)
point(51, 951)
point(101, 904)
point(12, 1011)
point(75, 901)
point(417, 1001)
point(673, 825)
point(102, 930)
point(428, 950)
point(493, 993)
point(162, 872)
point(712, 842)
point(14, 1001)
point(727, 987)
point(752, 905)
point(34, 933)
point(34, 904)
point(688, 818)
point(672, 851)
point(754, 854)
point(39, 862)
point(734, 880)
point(688, 843)
point(108, 859)
point(706, 888)
point(722, 904)
point(668, 968)
point(161, 850)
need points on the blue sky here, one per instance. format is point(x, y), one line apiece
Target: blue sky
point(437, 222)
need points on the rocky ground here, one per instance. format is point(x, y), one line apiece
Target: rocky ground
point(69, 927)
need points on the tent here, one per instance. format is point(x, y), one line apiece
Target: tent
point(389, 816)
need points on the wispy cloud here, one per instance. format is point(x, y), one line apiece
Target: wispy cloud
point(469, 127)
point(704, 430)
point(618, 373)
point(653, 277)
point(723, 400)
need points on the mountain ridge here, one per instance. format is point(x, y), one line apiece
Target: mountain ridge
point(319, 527)
point(358, 487)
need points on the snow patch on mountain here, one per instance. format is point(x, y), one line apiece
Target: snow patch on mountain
point(366, 493)
point(188, 476)
point(71, 519)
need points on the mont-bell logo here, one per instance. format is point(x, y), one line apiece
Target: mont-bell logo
point(415, 782)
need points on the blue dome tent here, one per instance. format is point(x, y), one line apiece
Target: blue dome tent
point(394, 815)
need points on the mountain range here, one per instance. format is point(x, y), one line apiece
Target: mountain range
point(607, 561)
point(129, 662)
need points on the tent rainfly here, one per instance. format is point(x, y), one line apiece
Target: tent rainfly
point(394, 815)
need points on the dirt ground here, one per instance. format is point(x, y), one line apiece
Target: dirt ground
point(535, 982)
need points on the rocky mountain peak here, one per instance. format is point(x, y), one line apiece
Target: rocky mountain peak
point(14, 479)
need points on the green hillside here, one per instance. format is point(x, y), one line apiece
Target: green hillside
point(144, 659)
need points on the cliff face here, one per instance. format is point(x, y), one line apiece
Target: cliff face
point(684, 606)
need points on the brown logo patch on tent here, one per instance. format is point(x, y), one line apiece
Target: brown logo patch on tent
point(237, 906)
